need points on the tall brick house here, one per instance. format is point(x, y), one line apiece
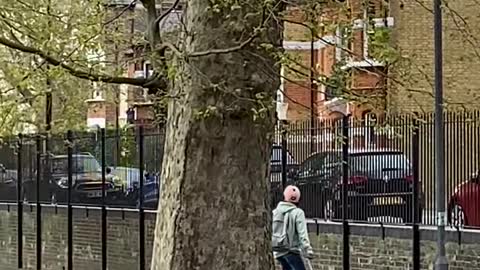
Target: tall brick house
point(300, 99)
point(124, 104)
point(404, 86)
point(373, 86)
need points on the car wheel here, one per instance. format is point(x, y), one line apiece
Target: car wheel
point(137, 204)
point(457, 216)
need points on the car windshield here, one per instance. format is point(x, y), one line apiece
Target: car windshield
point(321, 161)
point(277, 156)
point(357, 162)
point(379, 161)
point(80, 165)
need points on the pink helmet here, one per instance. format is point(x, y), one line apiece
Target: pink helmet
point(291, 194)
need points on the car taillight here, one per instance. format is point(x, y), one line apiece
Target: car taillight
point(409, 179)
point(356, 180)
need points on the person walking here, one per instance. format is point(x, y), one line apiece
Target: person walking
point(290, 239)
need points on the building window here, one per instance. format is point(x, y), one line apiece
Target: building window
point(344, 42)
point(281, 91)
point(376, 30)
point(147, 69)
point(373, 32)
point(130, 116)
point(377, 8)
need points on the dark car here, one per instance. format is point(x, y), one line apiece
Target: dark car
point(276, 169)
point(380, 183)
point(276, 164)
point(86, 181)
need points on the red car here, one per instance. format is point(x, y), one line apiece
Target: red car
point(463, 207)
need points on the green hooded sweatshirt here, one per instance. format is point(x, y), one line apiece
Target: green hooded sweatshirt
point(300, 243)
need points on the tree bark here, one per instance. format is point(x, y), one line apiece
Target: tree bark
point(214, 211)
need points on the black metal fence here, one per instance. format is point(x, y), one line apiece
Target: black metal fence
point(84, 170)
point(383, 170)
point(349, 171)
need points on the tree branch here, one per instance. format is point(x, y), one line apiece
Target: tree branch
point(256, 32)
point(167, 45)
point(172, 8)
point(227, 50)
point(153, 29)
point(130, 6)
point(151, 83)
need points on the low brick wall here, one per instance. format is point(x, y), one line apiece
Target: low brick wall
point(372, 247)
point(390, 247)
point(122, 239)
point(390, 253)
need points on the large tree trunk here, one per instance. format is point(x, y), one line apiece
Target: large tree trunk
point(215, 210)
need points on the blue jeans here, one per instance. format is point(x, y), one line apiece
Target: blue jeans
point(292, 261)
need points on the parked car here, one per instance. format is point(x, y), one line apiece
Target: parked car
point(276, 172)
point(151, 192)
point(276, 165)
point(151, 186)
point(380, 183)
point(463, 204)
point(86, 181)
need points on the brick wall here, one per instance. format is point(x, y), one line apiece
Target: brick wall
point(102, 109)
point(389, 253)
point(368, 249)
point(298, 93)
point(295, 31)
point(96, 109)
point(413, 35)
point(325, 58)
point(412, 79)
point(122, 241)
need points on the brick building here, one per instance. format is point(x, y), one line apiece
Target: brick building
point(413, 37)
point(342, 45)
point(346, 45)
point(124, 104)
point(406, 84)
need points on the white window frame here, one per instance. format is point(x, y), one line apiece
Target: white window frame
point(281, 91)
point(146, 71)
point(358, 24)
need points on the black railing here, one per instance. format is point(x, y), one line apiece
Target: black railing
point(77, 172)
point(382, 172)
point(347, 170)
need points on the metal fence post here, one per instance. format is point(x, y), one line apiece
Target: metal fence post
point(69, 200)
point(19, 203)
point(38, 205)
point(141, 215)
point(104, 209)
point(416, 197)
point(346, 227)
point(46, 172)
point(284, 157)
